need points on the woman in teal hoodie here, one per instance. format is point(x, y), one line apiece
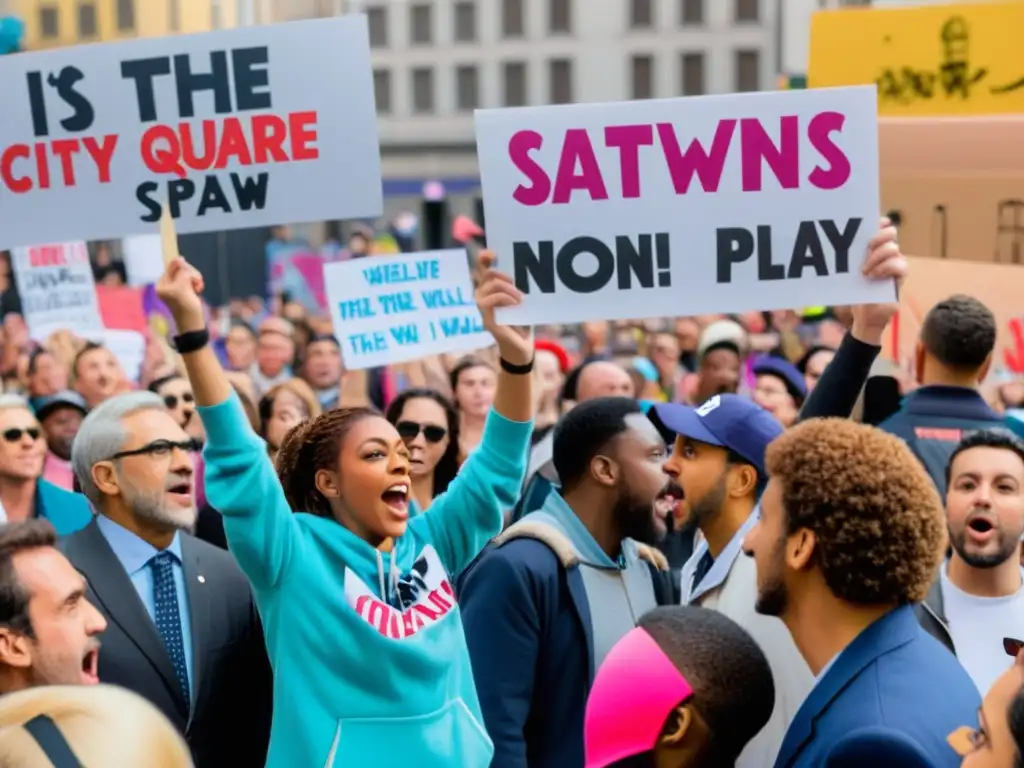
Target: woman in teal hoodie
point(363, 630)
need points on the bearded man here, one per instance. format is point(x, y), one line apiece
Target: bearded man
point(182, 628)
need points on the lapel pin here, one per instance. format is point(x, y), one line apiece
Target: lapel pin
point(202, 579)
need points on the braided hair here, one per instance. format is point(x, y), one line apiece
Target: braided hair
point(311, 446)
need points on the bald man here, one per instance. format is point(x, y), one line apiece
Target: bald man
point(603, 379)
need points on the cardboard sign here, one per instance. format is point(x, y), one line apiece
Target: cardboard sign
point(57, 289)
point(242, 128)
point(937, 60)
point(390, 309)
point(683, 206)
point(143, 259)
point(998, 286)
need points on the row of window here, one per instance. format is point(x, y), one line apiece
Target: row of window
point(88, 23)
point(642, 15)
point(514, 79)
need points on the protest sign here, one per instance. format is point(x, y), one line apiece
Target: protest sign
point(389, 309)
point(240, 128)
point(683, 206)
point(143, 259)
point(57, 290)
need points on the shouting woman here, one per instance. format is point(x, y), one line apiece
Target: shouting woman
point(365, 637)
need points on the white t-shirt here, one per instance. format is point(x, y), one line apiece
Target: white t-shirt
point(978, 626)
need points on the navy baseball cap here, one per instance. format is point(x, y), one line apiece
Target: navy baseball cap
point(727, 421)
point(47, 404)
point(784, 371)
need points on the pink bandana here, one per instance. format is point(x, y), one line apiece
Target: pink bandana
point(634, 691)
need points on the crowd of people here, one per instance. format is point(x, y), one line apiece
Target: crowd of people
point(731, 540)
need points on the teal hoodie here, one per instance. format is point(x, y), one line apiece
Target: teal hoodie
point(357, 679)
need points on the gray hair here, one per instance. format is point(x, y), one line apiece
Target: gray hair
point(103, 434)
point(10, 402)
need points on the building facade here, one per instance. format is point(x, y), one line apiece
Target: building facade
point(53, 23)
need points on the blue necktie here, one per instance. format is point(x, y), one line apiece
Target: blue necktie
point(168, 618)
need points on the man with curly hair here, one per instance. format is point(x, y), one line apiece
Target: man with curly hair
point(851, 535)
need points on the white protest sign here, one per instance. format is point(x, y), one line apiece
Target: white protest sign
point(57, 289)
point(247, 127)
point(389, 309)
point(683, 206)
point(143, 258)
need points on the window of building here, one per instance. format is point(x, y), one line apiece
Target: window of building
point(382, 90)
point(514, 82)
point(691, 12)
point(49, 22)
point(421, 24)
point(642, 67)
point(465, 21)
point(125, 15)
point(467, 88)
point(747, 10)
point(86, 20)
point(641, 14)
point(423, 90)
point(513, 23)
point(559, 16)
point(748, 70)
point(174, 15)
point(692, 74)
point(377, 19)
point(560, 75)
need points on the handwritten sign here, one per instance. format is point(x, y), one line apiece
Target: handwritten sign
point(214, 124)
point(390, 309)
point(57, 290)
point(683, 206)
point(932, 61)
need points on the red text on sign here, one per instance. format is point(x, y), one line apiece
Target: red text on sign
point(25, 167)
point(216, 144)
point(578, 169)
point(56, 256)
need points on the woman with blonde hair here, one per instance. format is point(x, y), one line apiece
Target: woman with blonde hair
point(85, 726)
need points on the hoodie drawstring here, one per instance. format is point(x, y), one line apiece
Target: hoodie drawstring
point(389, 586)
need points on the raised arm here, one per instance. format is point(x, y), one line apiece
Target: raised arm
point(470, 513)
point(240, 480)
point(844, 377)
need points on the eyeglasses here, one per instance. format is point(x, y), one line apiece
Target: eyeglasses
point(1012, 646)
point(409, 430)
point(171, 401)
point(15, 434)
point(160, 448)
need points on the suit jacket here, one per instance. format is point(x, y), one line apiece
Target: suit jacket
point(227, 721)
point(895, 690)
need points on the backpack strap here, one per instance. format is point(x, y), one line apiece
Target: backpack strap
point(556, 541)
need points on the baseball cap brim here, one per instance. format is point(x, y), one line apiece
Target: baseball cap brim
point(683, 420)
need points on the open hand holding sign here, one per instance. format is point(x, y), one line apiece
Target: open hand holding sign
point(496, 290)
point(884, 262)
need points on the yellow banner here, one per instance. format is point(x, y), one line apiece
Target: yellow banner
point(928, 61)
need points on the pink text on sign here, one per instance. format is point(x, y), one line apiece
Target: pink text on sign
point(578, 169)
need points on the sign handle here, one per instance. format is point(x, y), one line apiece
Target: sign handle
point(168, 236)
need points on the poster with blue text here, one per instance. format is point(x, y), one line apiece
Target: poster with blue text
point(390, 309)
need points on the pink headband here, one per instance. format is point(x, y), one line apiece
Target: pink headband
point(634, 691)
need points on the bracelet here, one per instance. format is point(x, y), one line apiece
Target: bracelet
point(516, 370)
point(191, 341)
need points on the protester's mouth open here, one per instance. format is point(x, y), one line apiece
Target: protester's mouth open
point(397, 499)
point(981, 529)
point(90, 667)
point(181, 493)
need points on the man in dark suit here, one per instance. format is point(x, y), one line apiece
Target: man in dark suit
point(182, 628)
point(850, 536)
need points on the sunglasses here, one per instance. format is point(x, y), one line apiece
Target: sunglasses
point(171, 401)
point(410, 430)
point(1012, 646)
point(14, 435)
